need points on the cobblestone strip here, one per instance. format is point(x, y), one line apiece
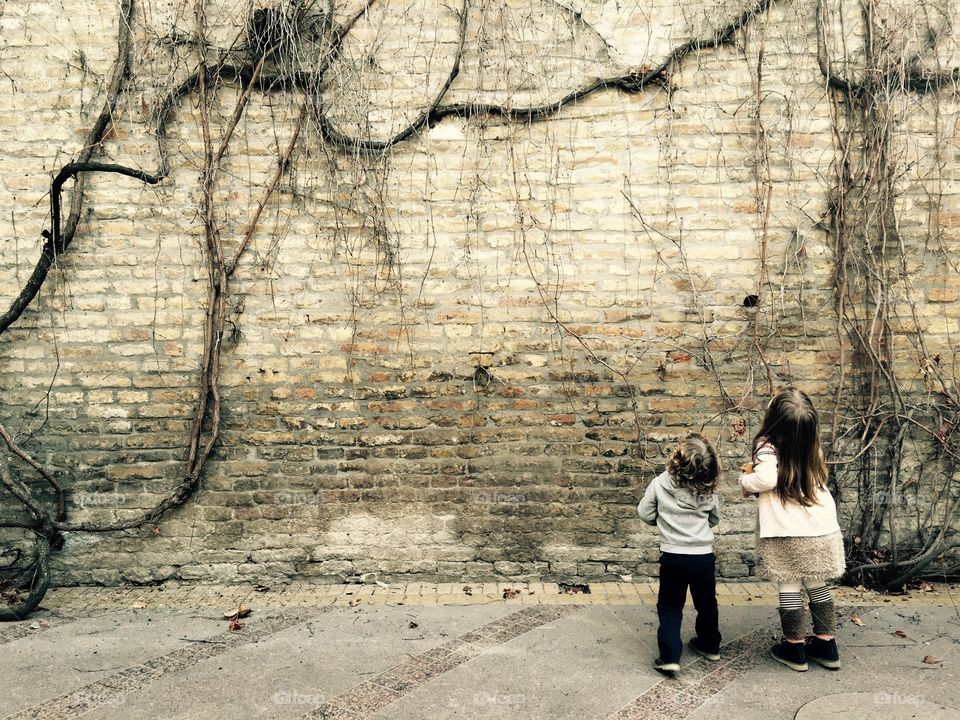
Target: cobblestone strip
point(111, 689)
point(677, 698)
point(366, 698)
point(23, 628)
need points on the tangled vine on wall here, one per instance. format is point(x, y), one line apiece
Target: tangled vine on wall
point(299, 47)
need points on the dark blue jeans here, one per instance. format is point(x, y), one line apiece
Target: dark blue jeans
point(677, 572)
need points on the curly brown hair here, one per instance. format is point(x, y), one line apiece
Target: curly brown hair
point(694, 465)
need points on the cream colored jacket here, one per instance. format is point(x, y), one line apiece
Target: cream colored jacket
point(790, 519)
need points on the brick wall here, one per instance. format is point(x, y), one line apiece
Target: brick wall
point(463, 357)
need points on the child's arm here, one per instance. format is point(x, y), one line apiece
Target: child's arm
point(713, 517)
point(763, 476)
point(648, 505)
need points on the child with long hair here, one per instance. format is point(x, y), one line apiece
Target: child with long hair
point(798, 538)
point(683, 504)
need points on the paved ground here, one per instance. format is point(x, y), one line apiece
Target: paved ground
point(428, 651)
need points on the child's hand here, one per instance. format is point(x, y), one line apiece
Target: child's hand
point(746, 469)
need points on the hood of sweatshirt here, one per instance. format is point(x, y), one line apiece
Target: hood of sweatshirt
point(685, 498)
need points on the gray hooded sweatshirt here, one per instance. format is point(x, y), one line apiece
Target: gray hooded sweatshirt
point(685, 520)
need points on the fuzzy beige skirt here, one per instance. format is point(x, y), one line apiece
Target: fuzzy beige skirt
point(791, 559)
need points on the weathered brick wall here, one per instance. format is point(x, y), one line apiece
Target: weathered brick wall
point(461, 358)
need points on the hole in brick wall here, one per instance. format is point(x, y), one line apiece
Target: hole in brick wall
point(574, 588)
point(751, 301)
point(482, 360)
point(481, 377)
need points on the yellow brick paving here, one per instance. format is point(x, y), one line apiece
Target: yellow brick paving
point(300, 595)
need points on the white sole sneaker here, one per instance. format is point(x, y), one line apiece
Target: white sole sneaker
point(666, 667)
point(712, 657)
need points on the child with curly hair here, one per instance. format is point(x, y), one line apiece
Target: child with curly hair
point(683, 504)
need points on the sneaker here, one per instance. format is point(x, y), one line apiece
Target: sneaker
point(668, 668)
point(823, 652)
point(790, 654)
point(695, 645)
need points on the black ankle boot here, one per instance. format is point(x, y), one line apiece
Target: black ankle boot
point(790, 654)
point(823, 652)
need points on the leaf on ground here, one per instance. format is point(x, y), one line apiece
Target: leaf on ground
point(467, 590)
point(860, 588)
point(261, 588)
point(509, 593)
point(926, 587)
point(931, 660)
point(857, 620)
point(235, 624)
point(412, 625)
point(241, 612)
point(900, 634)
point(355, 602)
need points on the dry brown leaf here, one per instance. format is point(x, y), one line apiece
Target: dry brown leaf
point(241, 612)
point(931, 660)
point(900, 634)
point(235, 624)
point(857, 620)
point(467, 590)
point(355, 602)
point(509, 593)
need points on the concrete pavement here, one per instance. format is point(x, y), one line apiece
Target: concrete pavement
point(428, 651)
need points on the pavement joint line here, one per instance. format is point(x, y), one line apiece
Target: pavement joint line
point(679, 697)
point(111, 688)
point(368, 697)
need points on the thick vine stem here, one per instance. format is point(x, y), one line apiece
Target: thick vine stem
point(630, 83)
point(38, 585)
point(871, 261)
point(25, 457)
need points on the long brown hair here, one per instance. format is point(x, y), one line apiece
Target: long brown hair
point(694, 465)
point(792, 426)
